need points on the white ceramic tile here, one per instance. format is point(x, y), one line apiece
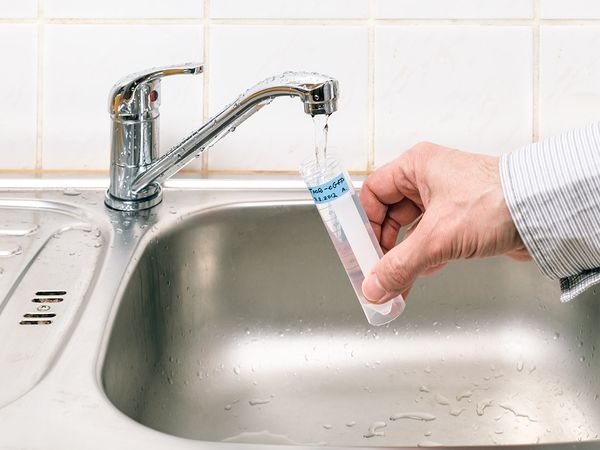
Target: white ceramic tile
point(281, 136)
point(571, 9)
point(82, 62)
point(18, 93)
point(124, 8)
point(569, 78)
point(466, 87)
point(18, 8)
point(290, 9)
point(455, 9)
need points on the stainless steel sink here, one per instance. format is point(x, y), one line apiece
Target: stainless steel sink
point(223, 315)
point(238, 324)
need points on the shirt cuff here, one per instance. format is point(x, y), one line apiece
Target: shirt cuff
point(552, 192)
point(571, 287)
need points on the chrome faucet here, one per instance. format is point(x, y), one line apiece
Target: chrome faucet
point(136, 170)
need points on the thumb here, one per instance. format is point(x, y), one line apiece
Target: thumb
point(397, 270)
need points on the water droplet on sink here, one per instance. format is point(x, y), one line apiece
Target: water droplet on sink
point(375, 429)
point(483, 405)
point(237, 370)
point(516, 413)
point(72, 192)
point(520, 365)
point(423, 389)
point(427, 417)
point(259, 401)
point(327, 426)
point(556, 335)
point(428, 433)
point(439, 398)
point(466, 394)
point(172, 210)
point(351, 423)
point(230, 405)
point(7, 252)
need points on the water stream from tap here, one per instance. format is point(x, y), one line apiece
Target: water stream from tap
point(321, 129)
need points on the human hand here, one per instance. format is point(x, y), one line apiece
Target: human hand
point(455, 203)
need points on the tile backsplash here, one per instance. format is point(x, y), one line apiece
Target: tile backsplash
point(481, 75)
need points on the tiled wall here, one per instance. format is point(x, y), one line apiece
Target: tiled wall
point(482, 75)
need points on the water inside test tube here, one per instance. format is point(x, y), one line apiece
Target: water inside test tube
point(347, 223)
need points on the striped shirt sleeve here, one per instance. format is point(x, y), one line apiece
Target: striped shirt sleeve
point(552, 189)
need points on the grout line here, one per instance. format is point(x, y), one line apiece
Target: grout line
point(205, 81)
point(429, 22)
point(307, 21)
point(289, 21)
point(535, 129)
point(371, 88)
point(555, 22)
point(39, 129)
point(131, 21)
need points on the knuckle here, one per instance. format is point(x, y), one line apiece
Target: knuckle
point(423, 147)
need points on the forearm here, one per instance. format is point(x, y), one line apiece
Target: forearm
point(552, 189)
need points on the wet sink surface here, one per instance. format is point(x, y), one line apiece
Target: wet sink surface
point(239, 324)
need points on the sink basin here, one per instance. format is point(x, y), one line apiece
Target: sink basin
point(238, 324)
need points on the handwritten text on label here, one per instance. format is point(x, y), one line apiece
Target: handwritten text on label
point(330, 190)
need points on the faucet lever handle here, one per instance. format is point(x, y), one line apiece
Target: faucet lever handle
point(138, 94)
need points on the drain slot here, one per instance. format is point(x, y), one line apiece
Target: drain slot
point(38, 315)
point(35, 322)
point(47, 300)
point(50, 293)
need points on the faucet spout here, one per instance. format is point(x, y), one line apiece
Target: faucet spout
point(318, 93)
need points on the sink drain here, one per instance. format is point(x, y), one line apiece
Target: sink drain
point(43, 317)
point(53, 293)
point(35, 322)
point(47, 300)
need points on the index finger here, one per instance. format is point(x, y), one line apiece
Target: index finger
point(388, 186)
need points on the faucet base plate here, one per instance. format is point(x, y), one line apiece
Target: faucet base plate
point(134, 205)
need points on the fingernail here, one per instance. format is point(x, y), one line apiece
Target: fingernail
point(372, 289)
